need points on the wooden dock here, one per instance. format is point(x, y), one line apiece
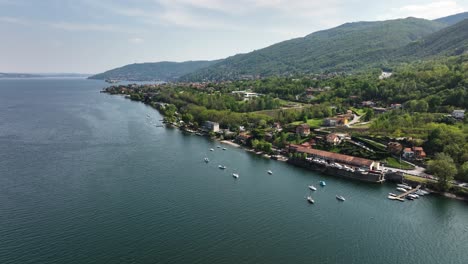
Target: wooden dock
point(403, 195)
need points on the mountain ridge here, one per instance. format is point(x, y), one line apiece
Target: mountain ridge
point(345, 48)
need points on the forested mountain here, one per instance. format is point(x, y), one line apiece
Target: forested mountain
point(453, 19)
point(155, 71)
point(344, 48)
point(446, 42)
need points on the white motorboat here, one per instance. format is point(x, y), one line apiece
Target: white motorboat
point(224, 148)
point(235, 175)
point(392, 194)
point(340, 198)
point(310, 200)
point(401, 189)
point(207, 160)
point(222, 167)
point(270, 172)
point(211, 149)
point(312, 188)
point(403, 185)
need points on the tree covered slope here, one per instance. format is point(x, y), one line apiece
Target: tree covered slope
point(160, 71)
point(449, 41)
point(343, 48)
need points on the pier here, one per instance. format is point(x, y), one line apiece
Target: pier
point(403, 195)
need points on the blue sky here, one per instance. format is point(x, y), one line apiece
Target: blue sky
point(91, 36)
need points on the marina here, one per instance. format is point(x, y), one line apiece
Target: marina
point(406, 193)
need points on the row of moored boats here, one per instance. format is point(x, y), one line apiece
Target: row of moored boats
point(223, 167)
point(323, 184)
point(405, 188)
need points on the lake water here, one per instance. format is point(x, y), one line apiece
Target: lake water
point(88, 178)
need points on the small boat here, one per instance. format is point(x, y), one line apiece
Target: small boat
point(207, 160)
point(415, 196)
point(403, 185)
point(401, 189)
point(391, 197)
point(222, 167)
point(312, 188)
point(322, 183)
point(218, 146)
point(310, 200)
point(424, 192)
point(270, 172)
point(409, 197)
point(392, 194)
point(224, 148)
point(211, 149)
point(340, 198)
point(419, 192)
point(235, 175)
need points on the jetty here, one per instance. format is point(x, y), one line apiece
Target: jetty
point(403, 195)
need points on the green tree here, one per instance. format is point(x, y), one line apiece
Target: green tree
point(463, 172)
point(187, 117)
point(443, 168)
point(369, 114)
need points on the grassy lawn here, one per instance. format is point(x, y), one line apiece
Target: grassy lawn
point(361, 125)
point(358, 111)
point(395, 163)
point(374, 144)
point(314, 122)
point(417, 179)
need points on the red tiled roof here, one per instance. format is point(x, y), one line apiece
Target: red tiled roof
point(351, 160)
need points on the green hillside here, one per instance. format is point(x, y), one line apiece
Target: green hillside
point(157, 71)
point(453, 19)
point(446, 42)
point(344, 48)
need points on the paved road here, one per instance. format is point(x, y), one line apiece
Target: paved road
point(355, 120)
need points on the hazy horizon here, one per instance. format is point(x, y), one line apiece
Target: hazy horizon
point(87, 37)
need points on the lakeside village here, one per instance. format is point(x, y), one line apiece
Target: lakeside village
point(333, 139)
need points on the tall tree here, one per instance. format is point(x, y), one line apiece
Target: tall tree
point(444, 169)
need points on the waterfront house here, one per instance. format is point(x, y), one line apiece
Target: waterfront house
point(419, 153)
point(394, 148)
point(303, 130)
point(210, 126)
point(408, 153)
point(331, 157)
point(243, 138)
point(333, 139)
point(458, 114)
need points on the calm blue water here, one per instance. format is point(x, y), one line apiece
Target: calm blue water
point(87, 178)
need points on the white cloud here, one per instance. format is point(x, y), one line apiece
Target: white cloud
point(13, 20)
point(136, 40)
point(431, 10)
point(68, 26)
